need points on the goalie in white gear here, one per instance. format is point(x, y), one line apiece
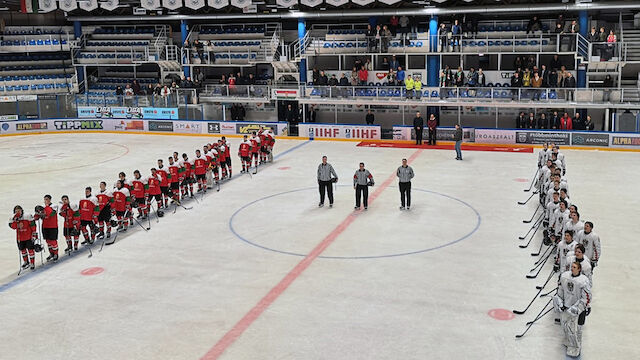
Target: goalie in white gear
point(572, 300)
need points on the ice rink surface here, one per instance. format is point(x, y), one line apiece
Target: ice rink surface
point(230, 276)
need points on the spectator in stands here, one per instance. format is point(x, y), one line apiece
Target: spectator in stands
point(531, 121)
point(343, 80)
point(443, 35)
point(291, 116)
point(223, 80)
point(459, 77)
point(119, 91)
point(482, 80)
point(588, 125)
point(409, 83)
point(368, 64)
point(199, 76)
point(400, 76)
point(555, 63)
point(553, 79)
point(128, 91)
point(565, 122)
point(391, 78)
point(148, 90)
point(417, 87)
point(593, 35)
point(371, 38)
point(165, 93)
point(136, 87)
point(385, 37)
point(363, 76)
point(518, 62)
point(572, 29)
point(442, 82)
point(472, 24)
point(536, 82)
point(313, 114)
point(531, 62)
point(578, 124)
point(521, 121)
point(394, 64)
point(559, 28)
point(404, 24)
point(315, 74)
point(611, 40)
point(158, 90)
point(456, 32)
point(560, 21)
point(377, 34)
point(570, 83)
point(393, 25)
point(602, 35)
point(554, 122)
point(472, 78)
point(333, 82)
point(322, 79)
point(544, 75)
point(607, 84)
point(199, 48)
point(385, 64)
point(240, 79)
point(369, 118)
point(449, 76)
point(543, 122)
point(354, 76)
point(534, 24)
point(526, 78)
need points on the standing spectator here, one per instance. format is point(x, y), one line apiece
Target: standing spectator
point(326, 177)
point(291, 116)
point(516, 84)
point(315, 74)
point(378, 37)
point(593, 35)
point(432, 125)
point(417, 87)
point(459, 77)
point(543, 122)
point(363, 75)
point(526, 78)
point(565, 122)
point(408, 83)
point(362, 179)
point(570, 83)
point(149, 90)
point(611, 40)
point(119, 91)
point(544, 74)
point(371, 38)
point(393, 25)
point(342, 83)
point(553, 79)
point(607, 84)
point(472, 78)
point(482, 79)
point(531, 121)
point(443, 35)
point(368, 64)
point(136, 87)
point(572, 29)
point(555, 63)
point(385, 37)
point(369, 118)
point(559, 29)
point(442, 81)
point(456, 32)
point(404, 24)
point(385, 64)
point(588, 125)
point(394, 64)
point(322, 79)
point(554, 122)
point(534, 25)
point(405, 174)
point(577, 122)
point(313, 114)
point(354, 76)
point(521, 121)
point(531, 62)
point(536, 83)
point(457, 137)
point(518, 63)
point(199, 48)
point(400, 75)
point(333, 82)
point(418, 126)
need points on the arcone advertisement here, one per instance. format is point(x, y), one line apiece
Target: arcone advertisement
point(588, 139)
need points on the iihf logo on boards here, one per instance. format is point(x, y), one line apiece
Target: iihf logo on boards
point(347, 133)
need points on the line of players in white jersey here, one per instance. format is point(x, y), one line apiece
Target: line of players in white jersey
point(114, 207)
point(577, 247)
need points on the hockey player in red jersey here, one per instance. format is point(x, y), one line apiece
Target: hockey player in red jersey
point(255, 148)
point(206, 151)
point(227, 155)
point(271, 140)
point(121, 205)
point(71, 227)
point(188, 176)
point(153, 190)
point(215, 160)
point(104, 196)
point(263, 145)
point(138, 194)
point(26, 234)
point(49, 216)
point(88, 208)
point(174, 179)
point(163, 175)
point(244, 152)
point(200, 170)
point(222, 151)
point(127, 185)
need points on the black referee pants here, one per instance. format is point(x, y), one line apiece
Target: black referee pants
point(405, 193)
point(362, 191)
point(328, 187)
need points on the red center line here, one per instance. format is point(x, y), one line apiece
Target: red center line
point(239, 328)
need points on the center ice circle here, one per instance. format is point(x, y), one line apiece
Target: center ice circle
point(436, 220)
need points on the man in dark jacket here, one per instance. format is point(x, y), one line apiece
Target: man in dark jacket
point(516, 83)
point(432, 125)
point(543, 122)
point(570, 83)
point(554, 122)
point(457, 137)
point(418, 126)
point(291, 116)
point(369, 118)
point(521, 121)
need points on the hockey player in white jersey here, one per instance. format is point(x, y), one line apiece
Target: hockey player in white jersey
point(591, 242)
point(572, 300)
point(542, 155)
point(563, 249)
point(560, 217)
point(574, 224)
point(578, 255)
point(557, 155)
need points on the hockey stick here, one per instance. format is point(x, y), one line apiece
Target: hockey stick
point(539, 266)
point(535, 224)
point(532, 181)
point(540, 313)
point(520, 312)
point(526, 201)
point(139, 223)
point(528, 327)
point(546, 282)
point(257, 164)
point(217, 185)
point(532, 216)
point(549, 293)
point(539, 249)
point(126, 213)
point(40, 241)
point(543, 255)
point(156, 212)
point(531, 238)
point(19, 254)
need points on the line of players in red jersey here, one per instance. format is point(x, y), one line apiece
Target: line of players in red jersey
point(172, 182)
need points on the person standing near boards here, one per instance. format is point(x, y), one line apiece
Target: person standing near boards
point(457, 137)
point(418, 125)
point(326, 177)
point(362, 179)
point(405, 174)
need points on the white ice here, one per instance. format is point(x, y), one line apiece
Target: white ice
point(174, 292)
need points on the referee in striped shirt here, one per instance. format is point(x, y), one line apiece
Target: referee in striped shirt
point(326, 176)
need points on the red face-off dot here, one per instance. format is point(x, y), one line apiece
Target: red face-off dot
point(284, 168)
point(92, 271)
point(521, 180)
point(501, 314)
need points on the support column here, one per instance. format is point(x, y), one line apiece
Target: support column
point(583, 22)
point(302, 30)
point(433, 61)
point(184, 32)
point(77, 33)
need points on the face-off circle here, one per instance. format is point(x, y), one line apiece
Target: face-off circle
point(501, 314)
point(92, 271)
point(522, 180)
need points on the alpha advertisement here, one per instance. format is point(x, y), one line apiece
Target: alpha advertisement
point(22, 126)
point(118, 112)
point(589, 139)
point(337, 131)
point(541, 137)
point(625, 141)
